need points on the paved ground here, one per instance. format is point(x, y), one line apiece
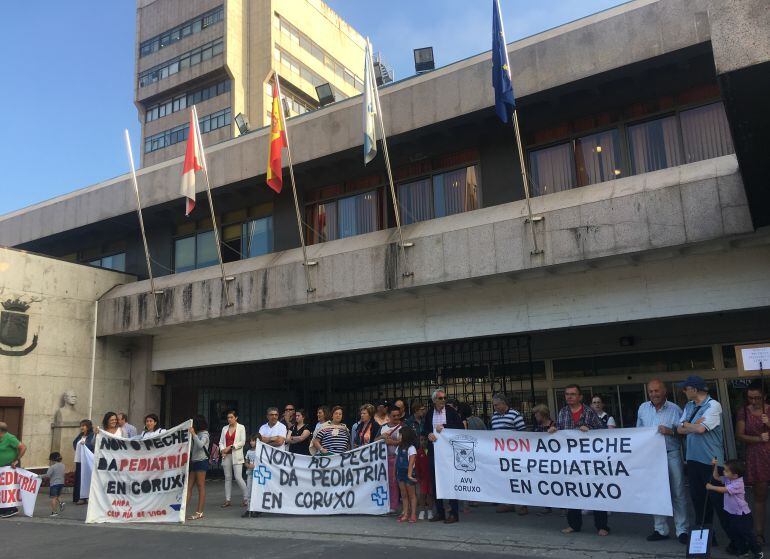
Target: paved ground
point(480, 532)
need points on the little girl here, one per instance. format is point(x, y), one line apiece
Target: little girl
point(55, 475)
point(405, 459)
point(425, 499)
point(251, 463)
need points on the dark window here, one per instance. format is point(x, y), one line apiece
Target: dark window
point(182, 61)
point(257, 237)
point(654, 145)
point(181, 31)
point(706, 133)
point(344, 217)
point(552, 169)
point(115, 262)
point(441, 195)
point(677, 360)
point(197, 251)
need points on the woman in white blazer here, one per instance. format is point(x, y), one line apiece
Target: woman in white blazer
point(231, 448)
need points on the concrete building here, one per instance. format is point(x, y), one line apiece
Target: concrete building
point(646, 132)
point(220, 55)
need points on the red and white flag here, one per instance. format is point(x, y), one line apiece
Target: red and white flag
point(193, 157)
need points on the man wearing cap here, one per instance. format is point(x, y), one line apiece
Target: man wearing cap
point(664, 415)
point(701, 423)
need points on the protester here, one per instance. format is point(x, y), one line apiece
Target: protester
point(425, 500)
point(437, 418)
point(55, 475)
point(664, 415)
point(418, 416)
point(289, 411)
point(381, 413)
point(367, 430)
point(507, 418)
point(401, 405)
point(576, 415)
point(324, 416)
point(391, 434)
point(543, 421)
point(298, 438)
point(123, 423)
point(231, 443)
point(472, 421)
point(151, 426)
point(597, 404)
point(199, 464)
point(87, 438)
point(251, 464)
point(737, 512)
point(11, 451)
point(110, 424)
point(333, 438)
point(752, 426)
point(273, 432)
point(701, 423)
point(405, 473)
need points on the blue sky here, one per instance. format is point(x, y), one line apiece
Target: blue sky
point(68, 75)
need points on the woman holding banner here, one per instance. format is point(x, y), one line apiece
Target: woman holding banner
point(753, 428)
point(231, 443)
point(152, 426)
point(199, 464)
point(333, 438)
point(110, 424)
point(297, 437)
point(367, 429)
point(86, 438)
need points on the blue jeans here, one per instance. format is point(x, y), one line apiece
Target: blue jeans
point(678, 497)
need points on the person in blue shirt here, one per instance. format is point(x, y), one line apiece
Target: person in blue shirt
point(701, 423)
point(664, 415)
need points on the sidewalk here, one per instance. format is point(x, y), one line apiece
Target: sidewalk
point(480, 531)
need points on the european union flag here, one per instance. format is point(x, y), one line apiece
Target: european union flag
point(501, 72)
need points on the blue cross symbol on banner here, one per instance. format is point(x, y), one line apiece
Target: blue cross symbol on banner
point(262, 473)
point(380, 496)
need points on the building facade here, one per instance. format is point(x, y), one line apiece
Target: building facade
point(646, 133)
point(220, 55)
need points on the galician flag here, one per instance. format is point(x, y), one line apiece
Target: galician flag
point(277, 142)
point(501, 70)
point(370, 107)
point(192, 163)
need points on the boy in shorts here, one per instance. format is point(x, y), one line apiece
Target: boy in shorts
point(55, 475)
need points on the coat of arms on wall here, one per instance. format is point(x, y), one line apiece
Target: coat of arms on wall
point(14, 326)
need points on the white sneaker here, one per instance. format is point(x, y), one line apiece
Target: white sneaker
point(54, 514)
point(421, 515)
point(430, 515)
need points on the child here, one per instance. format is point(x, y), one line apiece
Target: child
point(405, 459)
point(55, 475)
point(251, 463)
point(739, 520)
point(426, 502)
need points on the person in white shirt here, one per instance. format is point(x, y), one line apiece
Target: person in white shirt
point(231, 443)
point(597, 404)
point(152, 426)
point(273, 432)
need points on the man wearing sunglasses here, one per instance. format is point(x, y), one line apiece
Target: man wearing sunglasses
point(440, 416)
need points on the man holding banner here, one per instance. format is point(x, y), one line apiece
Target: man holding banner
point(11, 451)
point(576, 415)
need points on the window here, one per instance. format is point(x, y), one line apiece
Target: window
point(441, 195)
point(181, 31)
point(654, 145)
point(296, 67)
point(344, 217)
point(186, 60)
point(551, 169)
point(677, 360)
point(705, 133)
point(197, 251)
point(115, 262)
point(257, 237)
point(598, 157)
point(178, 134)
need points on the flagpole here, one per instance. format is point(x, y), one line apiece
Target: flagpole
point(284, 108)
point(141, 225)
point(535, 249)
point(402, 244)
point(225, 279)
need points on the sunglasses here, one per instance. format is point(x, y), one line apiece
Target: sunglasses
point(440, 397)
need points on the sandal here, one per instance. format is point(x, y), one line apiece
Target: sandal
point(412, 520)
point(225, 505)
point(196, 516)
point(402, 518)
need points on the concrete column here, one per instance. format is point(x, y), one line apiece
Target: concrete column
point(144, 391)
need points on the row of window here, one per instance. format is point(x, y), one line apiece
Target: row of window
point(297, 37)
point(185, 100)
point(295, 66)
point(179, 32)
point(216, 120)
point(683, 137)
point(252, 238)
point(186, 60)
point(115, 262)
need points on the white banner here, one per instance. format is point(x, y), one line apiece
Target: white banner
point(18, 488)
point(140, 480)
point(86, 459)
point(621, 470)
point(355, 482)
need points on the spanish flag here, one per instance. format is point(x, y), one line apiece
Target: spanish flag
point(277, 143)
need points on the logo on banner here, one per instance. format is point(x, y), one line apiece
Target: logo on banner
point(380, 496)
point(262, 474)
point(465, 458)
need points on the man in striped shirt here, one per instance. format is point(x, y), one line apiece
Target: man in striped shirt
point(505, 417)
